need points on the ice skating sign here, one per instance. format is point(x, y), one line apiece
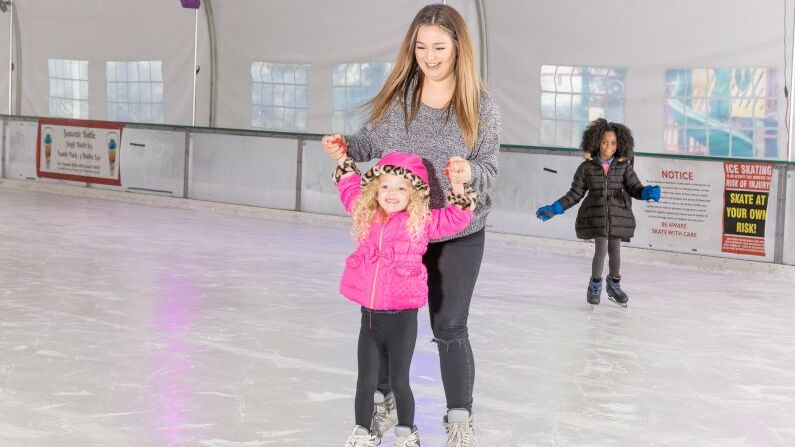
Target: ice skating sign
point(82, 151)
point(745, 201)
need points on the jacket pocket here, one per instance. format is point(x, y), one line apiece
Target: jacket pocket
point(354, 276)
point(409, 280)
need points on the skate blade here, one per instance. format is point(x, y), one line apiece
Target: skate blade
point(624, 305)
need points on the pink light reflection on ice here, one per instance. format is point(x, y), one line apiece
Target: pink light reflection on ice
point(173, 316)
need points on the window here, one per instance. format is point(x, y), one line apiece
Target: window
point(279, 96)
point(68, 88)
point(728, 112)
point(571, 96)
point(353, 85)
point(135, 91)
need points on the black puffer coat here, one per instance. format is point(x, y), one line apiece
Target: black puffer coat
point(607, 210)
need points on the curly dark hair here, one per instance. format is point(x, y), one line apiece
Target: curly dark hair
point(592, 138)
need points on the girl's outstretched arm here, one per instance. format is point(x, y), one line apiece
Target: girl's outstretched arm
point(348, 180)
point(455, 216)
point(575, 194)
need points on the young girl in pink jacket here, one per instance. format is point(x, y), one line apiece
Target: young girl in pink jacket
point(392, 224)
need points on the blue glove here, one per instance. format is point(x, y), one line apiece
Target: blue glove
point(650, 193)
point(549, 211)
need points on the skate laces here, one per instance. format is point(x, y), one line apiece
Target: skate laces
point(460, 434)
point(360, 440)
point(616, 285)
point(412, 440)
point(596, 286)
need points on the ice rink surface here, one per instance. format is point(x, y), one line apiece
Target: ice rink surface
point(124, 324)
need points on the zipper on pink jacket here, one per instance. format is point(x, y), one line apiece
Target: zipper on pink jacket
point(377, 265)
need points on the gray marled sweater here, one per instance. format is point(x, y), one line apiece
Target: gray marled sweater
point(435, 138)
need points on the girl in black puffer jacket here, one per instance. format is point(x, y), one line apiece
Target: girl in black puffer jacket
point(606, 214)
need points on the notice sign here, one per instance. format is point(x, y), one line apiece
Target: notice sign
point(689, 209)
point(683, 211)
point(747, 186)
point(82, 151)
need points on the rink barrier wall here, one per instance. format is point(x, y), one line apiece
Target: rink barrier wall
point(290, 171)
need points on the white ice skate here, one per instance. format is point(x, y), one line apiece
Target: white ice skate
point(460, 433)
point(406, 437)
point(360, 437)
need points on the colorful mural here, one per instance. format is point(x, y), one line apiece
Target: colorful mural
point(727, 112)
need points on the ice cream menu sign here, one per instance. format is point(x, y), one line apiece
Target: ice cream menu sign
point(82, 151)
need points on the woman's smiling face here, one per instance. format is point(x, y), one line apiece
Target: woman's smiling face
point(435, 52)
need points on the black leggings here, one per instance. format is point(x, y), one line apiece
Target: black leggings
point(392, 335)
point(453, 268)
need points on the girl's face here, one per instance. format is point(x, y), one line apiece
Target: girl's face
point(435, 52)
point(608, 145)
point(393, 193)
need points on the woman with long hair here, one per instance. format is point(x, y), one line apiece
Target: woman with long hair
point(435, 105)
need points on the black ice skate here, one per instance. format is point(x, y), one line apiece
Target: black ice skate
point(614, 292)
point(594, 291)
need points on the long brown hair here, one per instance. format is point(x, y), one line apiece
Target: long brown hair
point(407, 73)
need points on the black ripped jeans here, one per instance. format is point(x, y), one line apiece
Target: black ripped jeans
point(453, 268)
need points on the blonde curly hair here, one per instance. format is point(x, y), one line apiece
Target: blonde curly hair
point(366, 209)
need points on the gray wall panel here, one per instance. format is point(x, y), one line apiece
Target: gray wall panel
point(3, 147)
point(21, 150)
point(243, 170)
point(523, 185)
point(318, 192)
point(153, 160)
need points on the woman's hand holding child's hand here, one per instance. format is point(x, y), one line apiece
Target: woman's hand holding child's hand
point(335, 146)
point(458, 170)
point(452, 170)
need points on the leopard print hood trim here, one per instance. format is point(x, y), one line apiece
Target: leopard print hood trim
point(415, 180)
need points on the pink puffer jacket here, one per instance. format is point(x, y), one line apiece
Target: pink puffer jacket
point(386, 270)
